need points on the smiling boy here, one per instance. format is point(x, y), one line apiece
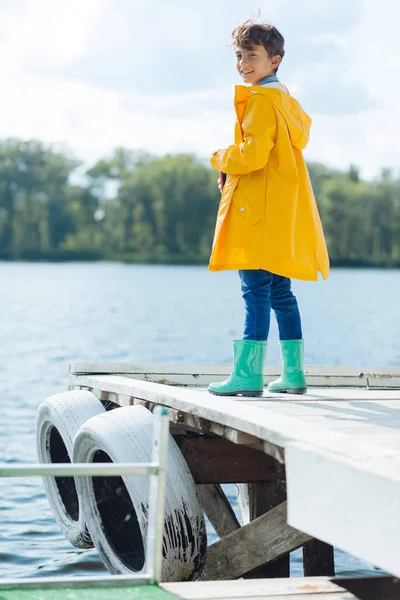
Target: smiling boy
point(268, 226)
point(254, 61)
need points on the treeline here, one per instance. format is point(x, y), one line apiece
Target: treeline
point(137, 207)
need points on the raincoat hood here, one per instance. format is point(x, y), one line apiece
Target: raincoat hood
point(297, 120)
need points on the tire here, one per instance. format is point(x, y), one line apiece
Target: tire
point(117, 507)
point(58, 420)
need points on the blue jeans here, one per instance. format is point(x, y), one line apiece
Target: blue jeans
point(261, 291)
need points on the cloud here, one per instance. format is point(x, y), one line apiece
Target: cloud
point(320, 47)
point(159, 76)
point(165, 47)
point(152, 47)
point(46, 33)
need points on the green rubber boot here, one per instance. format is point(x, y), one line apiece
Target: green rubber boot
point(247, 376)
point(292, 380)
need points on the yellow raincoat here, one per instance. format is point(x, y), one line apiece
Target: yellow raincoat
point(268, 218)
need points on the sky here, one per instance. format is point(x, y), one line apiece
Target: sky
point(159, 75)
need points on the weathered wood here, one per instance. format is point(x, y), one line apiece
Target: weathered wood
point(218, 509)
point(203, 374)
point(318, 559)
point(187, 421)
point(317, 588)
point(215, 460)
point(262, 498)
point(266, 539)
point(193, 422)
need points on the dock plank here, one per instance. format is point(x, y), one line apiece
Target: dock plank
point(189, 374)
point(371, 417)
point(310, 588)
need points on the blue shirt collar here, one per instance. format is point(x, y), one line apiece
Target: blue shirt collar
point(270, 79)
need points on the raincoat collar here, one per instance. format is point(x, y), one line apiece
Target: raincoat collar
point(270, 79)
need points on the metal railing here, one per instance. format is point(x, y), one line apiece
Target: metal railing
point(157, 471)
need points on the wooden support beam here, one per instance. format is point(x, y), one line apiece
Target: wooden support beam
point(318, 559)
point(216, 460)
point(264, 540)
point(263, 497)
point(194, 423)
point(218, 509)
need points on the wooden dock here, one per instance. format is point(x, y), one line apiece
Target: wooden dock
point(316, 471)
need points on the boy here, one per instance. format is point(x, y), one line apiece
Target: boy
point(268, 225)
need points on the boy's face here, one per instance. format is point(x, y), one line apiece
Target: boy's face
point(255, 64)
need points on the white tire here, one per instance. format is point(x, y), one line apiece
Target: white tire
point(58, 420)
point(117, 507)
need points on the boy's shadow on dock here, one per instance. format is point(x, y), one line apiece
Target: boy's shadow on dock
point(372, 412)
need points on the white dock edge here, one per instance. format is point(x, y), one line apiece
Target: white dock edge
point(346, 503)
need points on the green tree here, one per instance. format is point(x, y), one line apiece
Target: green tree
point(177, 199)
point(134, 206)
point(33, 202)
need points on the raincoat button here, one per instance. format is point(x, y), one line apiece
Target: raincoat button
point(242, 209)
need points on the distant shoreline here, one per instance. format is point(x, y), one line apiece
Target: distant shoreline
point(173, 261)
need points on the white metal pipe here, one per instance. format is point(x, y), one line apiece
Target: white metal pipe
point(157, 471)
point(155, 525)
point(83, 469)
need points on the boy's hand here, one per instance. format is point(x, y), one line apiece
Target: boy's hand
point(221, 181)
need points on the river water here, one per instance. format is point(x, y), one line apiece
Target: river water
point(53, 314)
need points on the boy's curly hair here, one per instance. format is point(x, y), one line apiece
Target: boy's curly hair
point(262, 34)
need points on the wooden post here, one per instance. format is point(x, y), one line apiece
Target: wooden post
point(264, 496)
point(318, 559)
point(218, 509)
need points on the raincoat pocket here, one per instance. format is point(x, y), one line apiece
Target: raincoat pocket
point(250, 212)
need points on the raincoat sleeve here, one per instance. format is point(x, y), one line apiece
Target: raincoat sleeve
point(251, 154)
